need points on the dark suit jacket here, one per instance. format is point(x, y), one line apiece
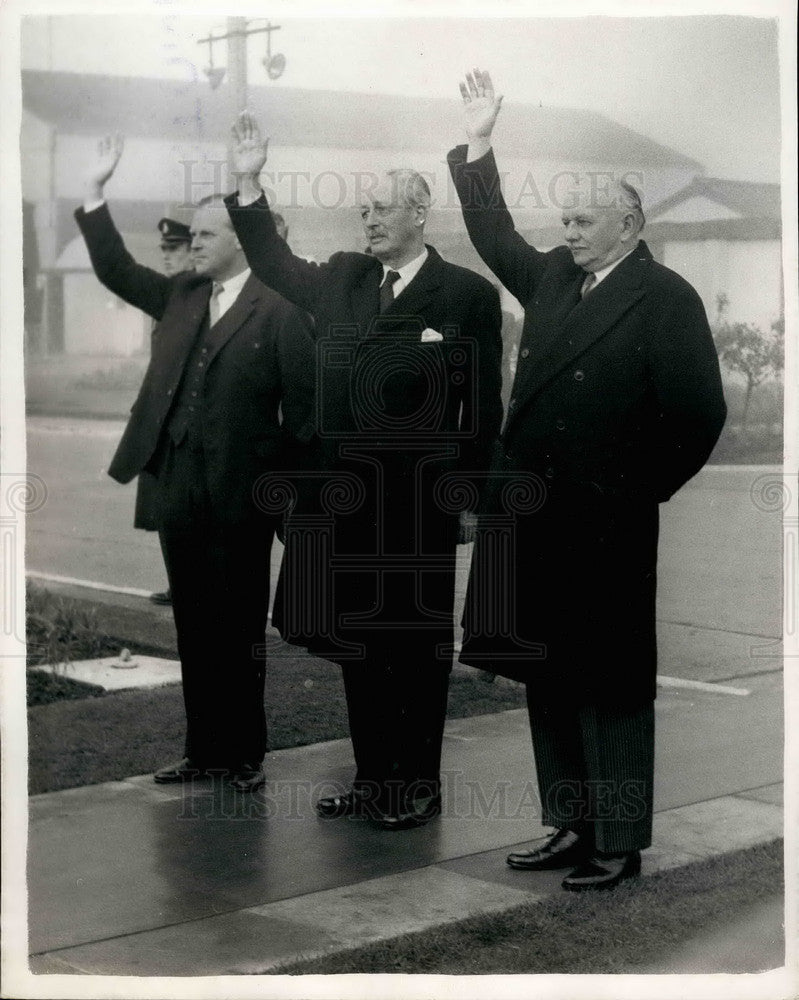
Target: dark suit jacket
point(396, 412)
point(617, 401)
point(260, 363)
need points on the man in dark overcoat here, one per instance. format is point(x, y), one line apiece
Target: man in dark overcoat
point(408, 406)
point(617, 401)
point(227, 399)
point(175, 249)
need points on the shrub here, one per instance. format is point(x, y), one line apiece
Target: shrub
point(58, 630)
point(746, 350)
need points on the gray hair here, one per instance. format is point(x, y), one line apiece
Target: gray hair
point(412, 188)
point(631, 201)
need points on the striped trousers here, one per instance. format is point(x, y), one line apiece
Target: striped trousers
point(595, 767)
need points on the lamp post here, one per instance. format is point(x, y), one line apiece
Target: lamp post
point(237, 33)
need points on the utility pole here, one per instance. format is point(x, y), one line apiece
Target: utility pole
point(237, 61)
point(236, 36)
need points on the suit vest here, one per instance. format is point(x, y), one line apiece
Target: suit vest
point(183, 418)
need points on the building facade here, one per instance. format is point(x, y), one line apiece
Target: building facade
point(325, 150)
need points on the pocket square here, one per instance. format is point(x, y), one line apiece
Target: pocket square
point(429, 335)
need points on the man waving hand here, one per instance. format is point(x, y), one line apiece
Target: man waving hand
point(616, 402)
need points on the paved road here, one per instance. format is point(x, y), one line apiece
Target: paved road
point(720, 549)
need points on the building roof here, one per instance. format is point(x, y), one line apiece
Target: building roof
point(744, 199)
point(190, 111)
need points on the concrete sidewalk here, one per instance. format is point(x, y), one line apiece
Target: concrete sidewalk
point(130, 878)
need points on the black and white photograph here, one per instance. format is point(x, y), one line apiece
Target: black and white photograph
point(399, 500)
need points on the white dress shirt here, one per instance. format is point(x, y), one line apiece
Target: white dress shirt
point(230, 290)
point(406, 273)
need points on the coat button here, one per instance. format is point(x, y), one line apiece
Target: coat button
point(524, 354)
point(560, 424)
point(549, 472)
point(579, 376)
point(169, 392)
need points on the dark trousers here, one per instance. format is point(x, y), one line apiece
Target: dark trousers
point(595, 766)
point(145, 513)
point(396, 714)
point(219, 577)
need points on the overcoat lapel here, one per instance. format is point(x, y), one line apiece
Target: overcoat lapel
point(551, 308)
point(584, 324)
point(365, 297)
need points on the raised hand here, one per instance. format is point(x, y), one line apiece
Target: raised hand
point(109, 151)
point(481, 105)
point(248, 149)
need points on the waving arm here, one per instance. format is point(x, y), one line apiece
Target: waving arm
point(267, 253)
point(248, 157)
point(101, 170)
point(136, 284)
point(474, 171)
point(481, 107)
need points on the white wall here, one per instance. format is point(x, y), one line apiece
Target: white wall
point(150, 169)
point(34, 139)
point(97, 322)
point(748, 272)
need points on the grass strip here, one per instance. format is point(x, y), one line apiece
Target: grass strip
point(78, 734)
point(122, 733)
point(613, 932)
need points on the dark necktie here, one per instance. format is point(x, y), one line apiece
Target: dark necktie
point(387, 290)
point(588, 284)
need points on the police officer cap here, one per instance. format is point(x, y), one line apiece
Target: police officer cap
point(174, 232)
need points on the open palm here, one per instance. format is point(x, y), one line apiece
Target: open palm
point(480, 104)
point(248, 148)
point(109, 151)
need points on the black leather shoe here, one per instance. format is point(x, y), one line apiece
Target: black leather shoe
point(161, 597)
point(352, 803)
point(182, 770)
point(414, 815)
point(564, 849)
point(603, 873)
point(248, 777)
